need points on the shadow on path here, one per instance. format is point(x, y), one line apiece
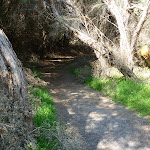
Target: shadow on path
point(103, 124)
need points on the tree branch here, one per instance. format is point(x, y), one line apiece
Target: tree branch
point(122, 67)
point(136, 6)
point(140, 25)
point(125, 50)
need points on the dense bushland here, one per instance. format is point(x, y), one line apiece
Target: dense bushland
point(32, 28)
point(38, 29)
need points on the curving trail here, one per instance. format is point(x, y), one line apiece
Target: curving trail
point(102, 124)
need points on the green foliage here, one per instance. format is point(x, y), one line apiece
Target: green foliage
point(36, 72)
point(46, 110)
point(44, 113)
point(132, 94)
point(81, 73)
point(24, 1)
point(73, 71)
point(3, 13)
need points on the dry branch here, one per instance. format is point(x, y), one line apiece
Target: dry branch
point(125, 49)
point(97, 47)
point(140, 24)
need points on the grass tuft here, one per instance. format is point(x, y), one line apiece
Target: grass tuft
point(36, 72)
point(132, 94)
point(44, 113)
point(50, 134)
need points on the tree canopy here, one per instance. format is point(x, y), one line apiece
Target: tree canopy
point(111, 28)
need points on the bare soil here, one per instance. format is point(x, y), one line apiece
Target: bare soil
point(103, 124)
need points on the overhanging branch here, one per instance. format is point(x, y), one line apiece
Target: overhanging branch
point(99, 51)
point(140, 24)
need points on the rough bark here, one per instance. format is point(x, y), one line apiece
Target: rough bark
point(122, 16)
point(16, 105)
point(121, 66)
point(140, 24)
point(11, 69)
point(125, 50)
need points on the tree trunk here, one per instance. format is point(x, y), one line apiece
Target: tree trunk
point(122, 16)
point(140, 25)
point(125, 50)
point(11, 70)
point(121, 66)
point(18, 110)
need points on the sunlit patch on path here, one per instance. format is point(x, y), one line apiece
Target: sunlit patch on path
point(103, 124)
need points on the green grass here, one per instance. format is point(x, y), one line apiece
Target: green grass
point(73, 71)
point(44, 113)
point(132, 94)
point(36, 72)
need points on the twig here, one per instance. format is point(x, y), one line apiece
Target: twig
point(6, 125)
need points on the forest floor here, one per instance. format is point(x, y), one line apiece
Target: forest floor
point(102, 124)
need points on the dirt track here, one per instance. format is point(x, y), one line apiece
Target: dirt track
point(102, 124)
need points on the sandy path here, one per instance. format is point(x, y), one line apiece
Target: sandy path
point(103, 124)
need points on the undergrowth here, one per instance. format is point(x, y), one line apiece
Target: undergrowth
point(50, 135)
point(36, 72)
point(44, 113)
point(128, 92)
point(81, 73)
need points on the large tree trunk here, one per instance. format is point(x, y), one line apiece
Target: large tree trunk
point(120, 65)
point(125, 50)
point(11, 70)
point(127, 46)
point(17, 108)
point(99, 52)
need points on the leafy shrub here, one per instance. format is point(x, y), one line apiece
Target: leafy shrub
point(82, 73)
